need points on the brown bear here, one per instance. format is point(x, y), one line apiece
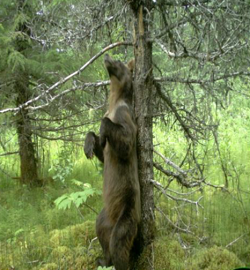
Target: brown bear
point(117, 224)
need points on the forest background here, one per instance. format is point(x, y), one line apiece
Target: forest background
point(192, 107)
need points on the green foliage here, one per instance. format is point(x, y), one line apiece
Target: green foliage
point(16, 60)
point(76, 198)
point(62, 166)
point(20, 19)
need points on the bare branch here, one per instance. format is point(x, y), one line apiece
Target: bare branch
point(181, 176)
point(62, 81)
point(216, 186)
point(172, 223)
point(161, 188)
point(234, 241)
point(171, 163)
point(65, 92)
point(174, 110)
point(9, 153)
point(66, 138)
point(184, 194)
point(200, 81)
point(201, 56)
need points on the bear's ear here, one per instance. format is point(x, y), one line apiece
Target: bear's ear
point(131, 65)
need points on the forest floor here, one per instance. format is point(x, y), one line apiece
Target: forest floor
point(37, 235)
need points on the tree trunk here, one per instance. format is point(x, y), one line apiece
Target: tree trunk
point(28, 162)
point(143, 95)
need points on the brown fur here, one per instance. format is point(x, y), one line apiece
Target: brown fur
point(117, 224)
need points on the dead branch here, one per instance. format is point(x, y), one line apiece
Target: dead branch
point(9, 153)
point(66, 138)
point(171, 163)
point(173, 109)
point(51, 99)
point(171, 223)
point(91, 243)
point(181, 176)
point(63, 80)
point(184, 194)
point(161, 188)
point(201, 81)
point(216, 186)
point(210, 56)
point(234, 241)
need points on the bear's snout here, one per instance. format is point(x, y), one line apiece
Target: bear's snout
point(107, 59)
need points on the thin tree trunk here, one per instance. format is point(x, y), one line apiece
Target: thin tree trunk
point(28, 162)
point(143, 85)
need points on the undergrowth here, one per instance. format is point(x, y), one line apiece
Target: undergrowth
point(37, 235)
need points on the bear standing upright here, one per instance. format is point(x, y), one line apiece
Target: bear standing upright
point(117, 224)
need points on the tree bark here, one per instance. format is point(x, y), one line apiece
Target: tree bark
point(28, 161)
point(143, 95)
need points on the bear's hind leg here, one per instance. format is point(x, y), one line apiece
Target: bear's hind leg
point(122, 239)
point(103, 231)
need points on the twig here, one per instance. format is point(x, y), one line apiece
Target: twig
point(161, 188)
point(172, 223)
point(9, 153)
point(91, 208)
point(169, 103)
point(234, 241)
point(184, 194)
point(91, 242)
point(215, 186)
point(181, 176)
point(171, 163)
point(201, 81)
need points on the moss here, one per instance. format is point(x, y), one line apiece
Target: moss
point(168, 254)
point(141, 263)
point(84, 233)
point(60, 252)
point(63, 256)
point(71, 236)
point(215, 258)
point(72, 246)
point(191, 240)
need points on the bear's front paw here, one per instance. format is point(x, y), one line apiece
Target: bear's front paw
point(89, 145)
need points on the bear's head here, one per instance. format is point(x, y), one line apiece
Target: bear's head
point(121, 77)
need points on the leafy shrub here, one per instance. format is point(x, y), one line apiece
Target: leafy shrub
point(76, 198)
